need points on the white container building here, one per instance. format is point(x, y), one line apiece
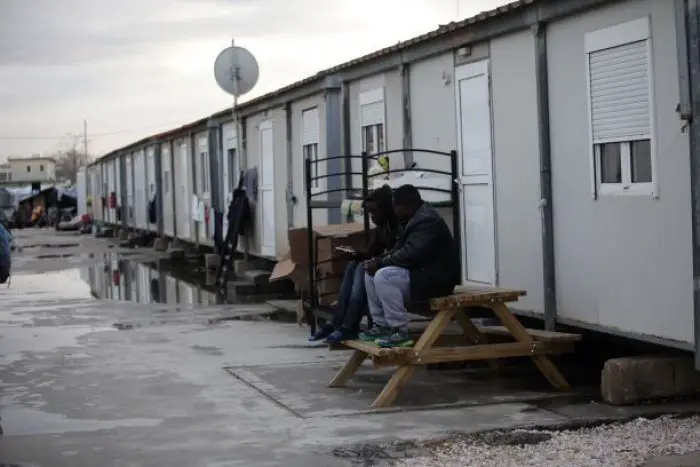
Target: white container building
point(570, 119)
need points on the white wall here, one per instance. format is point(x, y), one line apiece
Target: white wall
point(621, 262)
point(516, 163)
point(433, 111)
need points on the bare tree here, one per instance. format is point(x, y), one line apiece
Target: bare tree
point(70, 158)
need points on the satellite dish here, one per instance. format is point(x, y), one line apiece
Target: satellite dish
point(236, 70)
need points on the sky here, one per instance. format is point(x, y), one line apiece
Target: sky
point(132, 68)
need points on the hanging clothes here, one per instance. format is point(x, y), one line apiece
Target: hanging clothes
point(152, 218)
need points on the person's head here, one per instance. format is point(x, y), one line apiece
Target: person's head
point(406, 201)
point(378, 204)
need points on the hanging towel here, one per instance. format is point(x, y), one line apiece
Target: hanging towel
point(194, 208)
point(250, 183)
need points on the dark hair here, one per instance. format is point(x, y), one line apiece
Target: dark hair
point(407, 195)
point(381, 197)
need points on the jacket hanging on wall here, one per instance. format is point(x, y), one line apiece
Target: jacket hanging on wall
point(152, 211)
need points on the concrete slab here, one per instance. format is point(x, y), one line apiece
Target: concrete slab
point(302, 389)
point(687, 460)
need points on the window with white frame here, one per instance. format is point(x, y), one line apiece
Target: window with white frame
point(372, 121)
point(204, 167)
point(231, 155)
point(310, 139)
point(621, 109)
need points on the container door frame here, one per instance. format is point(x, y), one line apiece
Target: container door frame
point(266, 190)
point(184, 224)
point(476, 182)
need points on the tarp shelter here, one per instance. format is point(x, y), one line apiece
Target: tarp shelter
point(62, 197)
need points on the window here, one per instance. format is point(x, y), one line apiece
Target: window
point(373, 138)
point(204, 159)
point(372, 114)
point(310, 135)
point(166, 181)
point(41, 168)
point(311, 153)
point(29, 168)
point(621, 110)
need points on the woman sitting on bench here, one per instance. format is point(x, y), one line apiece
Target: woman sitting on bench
point(352, 298)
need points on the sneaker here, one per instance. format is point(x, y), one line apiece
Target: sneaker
point(340, 336)
point(322, 333)
point(377, 332)
point(395, 339)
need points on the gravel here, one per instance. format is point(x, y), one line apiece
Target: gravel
point(628, 444)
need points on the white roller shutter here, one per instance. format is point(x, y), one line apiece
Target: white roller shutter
point(372, 107)
point(620, 93)
point(372, 114)
point(310, 126)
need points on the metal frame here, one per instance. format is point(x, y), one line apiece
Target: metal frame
point(689, 60)
point(313, 309)
point(548, 258)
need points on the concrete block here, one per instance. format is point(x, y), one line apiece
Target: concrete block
point(176, 253)
point(240, 266)
point(258, 277)
point(629, 380)
point(161, 244)
point(212, 261)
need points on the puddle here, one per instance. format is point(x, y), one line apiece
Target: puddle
point(20, 421)
point(49, 245)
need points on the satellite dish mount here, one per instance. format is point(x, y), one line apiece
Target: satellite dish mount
point(236, 71)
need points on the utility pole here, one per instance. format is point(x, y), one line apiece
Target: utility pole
point(85, 142)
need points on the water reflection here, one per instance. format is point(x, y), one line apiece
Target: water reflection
point(147, 283)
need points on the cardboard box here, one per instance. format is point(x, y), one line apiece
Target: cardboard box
point(294, 265)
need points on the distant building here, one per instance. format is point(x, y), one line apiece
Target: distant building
point(33, 169)
point(5, 173)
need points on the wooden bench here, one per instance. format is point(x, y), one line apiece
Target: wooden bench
point(473, 343)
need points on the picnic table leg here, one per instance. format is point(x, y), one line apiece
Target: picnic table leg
point(476, 338)
point(404, 372)
point(543, 362)
point(348, 370)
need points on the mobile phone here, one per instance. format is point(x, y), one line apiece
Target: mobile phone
point(345, 249)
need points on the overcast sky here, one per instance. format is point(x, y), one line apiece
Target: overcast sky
point(132, 68)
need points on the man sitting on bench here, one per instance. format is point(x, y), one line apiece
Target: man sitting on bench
point(352, 299)
point(423, 264)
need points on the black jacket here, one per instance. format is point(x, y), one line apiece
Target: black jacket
point(383, 238)
point(427, 249)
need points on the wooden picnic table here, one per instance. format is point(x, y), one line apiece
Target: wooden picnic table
point(473, 343)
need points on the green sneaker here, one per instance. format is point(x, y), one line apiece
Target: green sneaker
point(377, 332)
point(395, 339)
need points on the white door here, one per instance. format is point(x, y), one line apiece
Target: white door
point(129, 211)
point(476, 173)
point(203, 177)
point(184, 216)
point(266, 190)
point(167, 191)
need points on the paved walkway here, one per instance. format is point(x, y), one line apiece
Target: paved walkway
point(177, 387)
